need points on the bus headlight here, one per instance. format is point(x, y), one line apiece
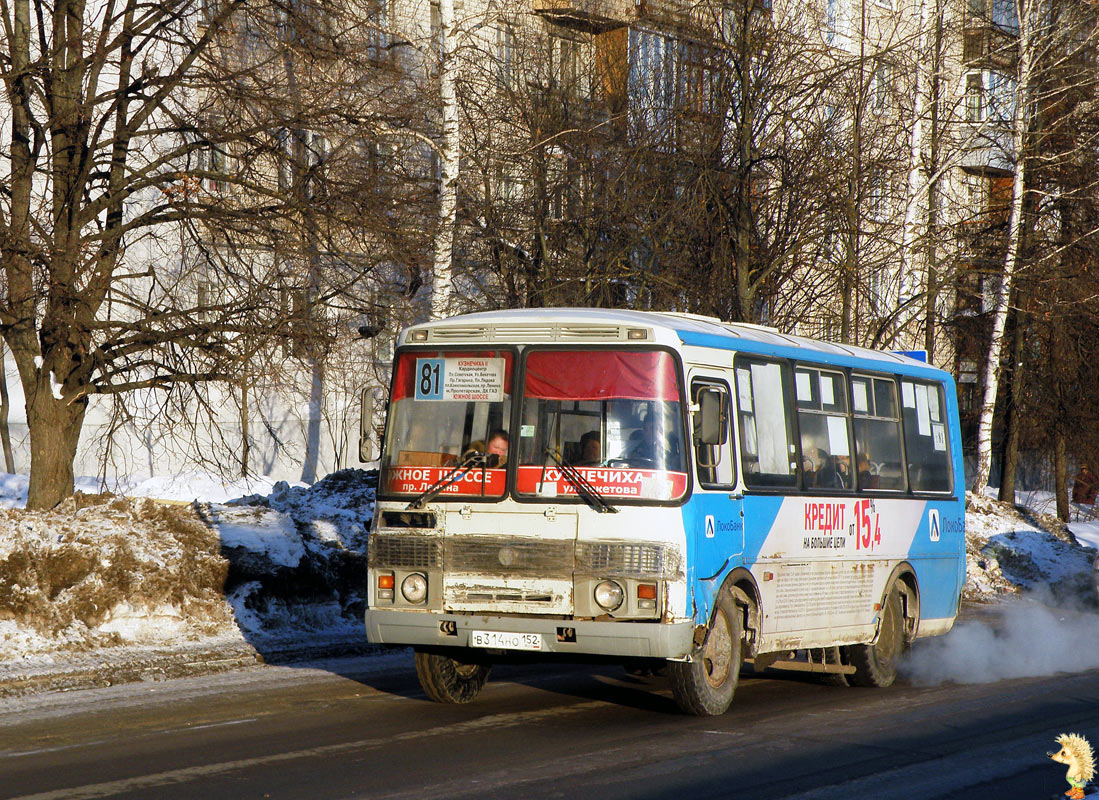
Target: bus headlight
point(609, 595)
point(414, 588)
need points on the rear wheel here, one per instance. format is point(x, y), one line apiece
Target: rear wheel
point(446, 679)
point(876, 664)
point(704, 686)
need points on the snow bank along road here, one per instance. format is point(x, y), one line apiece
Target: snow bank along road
point(361, 728)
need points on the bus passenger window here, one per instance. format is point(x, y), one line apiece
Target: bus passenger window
point(825, 430)
point(926, 438)
point(714, 461)
point(767, 446)
point(877, 433)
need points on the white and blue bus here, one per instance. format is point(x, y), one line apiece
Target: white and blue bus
point(666, 488)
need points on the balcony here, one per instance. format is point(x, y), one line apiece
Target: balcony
point(988, 148)
point(591, 16)
point(988, 46)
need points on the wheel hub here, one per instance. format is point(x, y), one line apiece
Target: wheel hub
point(716, 652)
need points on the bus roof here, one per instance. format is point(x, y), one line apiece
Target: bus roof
point(604, 326)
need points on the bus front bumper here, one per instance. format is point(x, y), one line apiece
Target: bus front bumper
point(627, 639)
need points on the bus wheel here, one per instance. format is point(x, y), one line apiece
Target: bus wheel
point(704, 686)
point(876, 664)
point(449, 680)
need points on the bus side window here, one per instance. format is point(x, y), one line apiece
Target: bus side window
point(764, 412)
point(825, 429)
point(925, 436)
point(877, 433)
point(714, 461)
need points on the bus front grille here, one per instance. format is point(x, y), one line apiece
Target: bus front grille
point(404, 552)
point(628, 559)
point(495, 555)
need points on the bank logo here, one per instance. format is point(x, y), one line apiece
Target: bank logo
point(933, 524)
point(709, 526)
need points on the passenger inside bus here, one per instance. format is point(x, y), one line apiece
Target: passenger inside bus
point(867, 478)
point(836, 472)
point(589, 450)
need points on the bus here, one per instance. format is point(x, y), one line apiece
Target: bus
point(666, 490)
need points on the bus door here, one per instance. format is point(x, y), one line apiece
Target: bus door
point(715, 514)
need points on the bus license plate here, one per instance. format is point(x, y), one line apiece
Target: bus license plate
point(501, 640)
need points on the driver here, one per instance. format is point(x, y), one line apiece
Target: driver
point(497, 445)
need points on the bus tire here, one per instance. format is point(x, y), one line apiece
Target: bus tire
point(876, 664)
point(446, 679)
point(704, 686)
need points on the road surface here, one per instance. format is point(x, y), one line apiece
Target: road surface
point(361, 728)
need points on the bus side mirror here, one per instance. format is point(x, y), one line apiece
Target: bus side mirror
point(711, 422)
point(370, 402)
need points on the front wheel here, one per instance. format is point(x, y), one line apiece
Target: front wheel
point(446, 679)
point(876, 664)
point(704, 686)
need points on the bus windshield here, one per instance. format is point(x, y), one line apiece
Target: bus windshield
point(446, 407)
point(614, 415)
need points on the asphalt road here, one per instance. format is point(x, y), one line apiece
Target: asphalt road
point(362, 728)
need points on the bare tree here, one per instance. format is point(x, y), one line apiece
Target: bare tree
point(147, 233)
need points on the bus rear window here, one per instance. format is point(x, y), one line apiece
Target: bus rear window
point(614, 415)
point(926, 439)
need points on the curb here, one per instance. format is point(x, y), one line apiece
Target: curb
point(91, 672)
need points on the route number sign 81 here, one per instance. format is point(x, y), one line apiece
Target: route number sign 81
point(429, 378)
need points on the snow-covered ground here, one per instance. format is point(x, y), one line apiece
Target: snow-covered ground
point(263, 566)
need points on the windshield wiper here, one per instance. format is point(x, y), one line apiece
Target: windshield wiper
point(583, 486)
point(457, 472)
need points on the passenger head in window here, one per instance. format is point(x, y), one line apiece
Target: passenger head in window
point(867, 478)
point(835, 474)
point(643, 445)
point(589, 449)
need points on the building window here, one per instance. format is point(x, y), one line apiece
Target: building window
point(1001, 98)
point(505, 57)
point(652, 81)
point(880, 88)
point(974, 97)
point(377, 40)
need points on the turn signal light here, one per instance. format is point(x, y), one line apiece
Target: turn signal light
point(385, 586)
point(646, 595)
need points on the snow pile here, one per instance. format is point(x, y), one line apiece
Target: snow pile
point(298, 556)
point(103, 571)
point(1008, 552)
point(100, 570)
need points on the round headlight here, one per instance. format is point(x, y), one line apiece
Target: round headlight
point(609, 595)
point(414, 588)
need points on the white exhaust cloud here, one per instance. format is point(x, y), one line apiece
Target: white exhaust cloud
point(1019, 638)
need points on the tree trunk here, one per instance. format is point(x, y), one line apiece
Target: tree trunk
point(5, 407)
point(1010, 458)
point(245, 439)
point(54, 434)
point(442, 287)
point(917, 181)
point(1060, 475)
